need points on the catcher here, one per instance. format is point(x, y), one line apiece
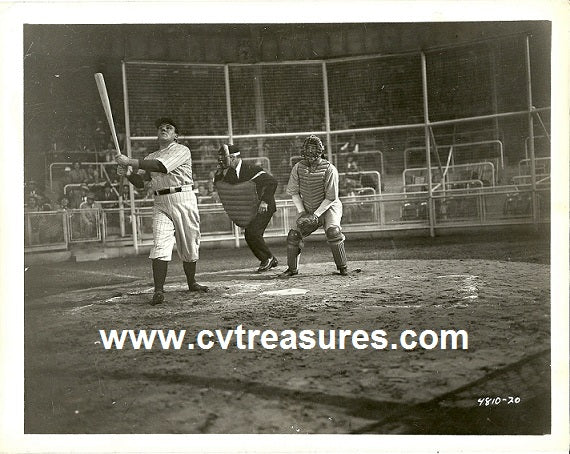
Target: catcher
point(313, 186)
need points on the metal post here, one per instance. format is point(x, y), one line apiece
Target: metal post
point(327, 112)
point(428, 150)
point(493, 77)
point(129, 153)
point(531, 134)
point(259, 107)
point(230, 134)
point(228, 104)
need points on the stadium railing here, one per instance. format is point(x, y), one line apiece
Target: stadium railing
point(473, 204)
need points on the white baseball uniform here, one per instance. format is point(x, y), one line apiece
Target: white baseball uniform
point(175, 215)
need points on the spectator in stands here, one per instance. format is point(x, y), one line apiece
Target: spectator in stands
point(126, 195)
point(212, 191)
point(352, 164)
point(31, 190)
point(109, 196)
point(59, 184)
point(32, 204)
point(204, 195)
point(64, 204)
point(78, 174)
point(89, 216)
point(351, 146)
point(111, 173)
point(74, 196)
point(78, 195)
point(92, 175)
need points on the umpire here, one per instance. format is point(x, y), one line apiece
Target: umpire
point(175, 212)
point(234, 171)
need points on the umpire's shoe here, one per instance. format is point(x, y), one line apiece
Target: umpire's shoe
point(195, 287)
point(157, 298)
point(271, 262)
point(288, 273)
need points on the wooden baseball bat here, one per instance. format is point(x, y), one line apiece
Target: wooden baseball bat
point(107, 107)
point(100, 81)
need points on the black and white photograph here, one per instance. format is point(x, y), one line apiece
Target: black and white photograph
point(347, 231)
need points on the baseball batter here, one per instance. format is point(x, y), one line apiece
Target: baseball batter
point(313, 186)
point(175, 213)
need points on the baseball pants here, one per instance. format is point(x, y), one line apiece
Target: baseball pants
point(176, 220)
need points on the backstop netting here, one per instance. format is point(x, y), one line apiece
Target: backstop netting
point(368, 110)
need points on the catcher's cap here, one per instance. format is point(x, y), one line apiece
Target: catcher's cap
point(67, 169)
point(166, 121)
point(231, 150)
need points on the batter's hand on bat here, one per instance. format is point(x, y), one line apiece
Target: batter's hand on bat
point(122, 159)
point(262, 207)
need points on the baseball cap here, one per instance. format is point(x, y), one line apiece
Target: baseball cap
point(166, 120)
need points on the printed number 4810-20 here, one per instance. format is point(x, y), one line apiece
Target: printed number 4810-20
point(486, 401)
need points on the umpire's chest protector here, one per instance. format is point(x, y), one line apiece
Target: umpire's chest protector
point(312, 184)
point(239, 200)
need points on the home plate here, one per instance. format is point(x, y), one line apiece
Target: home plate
point(286, 291)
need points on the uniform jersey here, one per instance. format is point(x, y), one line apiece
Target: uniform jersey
point(314, 185)
point(177, 160)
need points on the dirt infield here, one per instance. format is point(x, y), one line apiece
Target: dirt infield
point(74, 385)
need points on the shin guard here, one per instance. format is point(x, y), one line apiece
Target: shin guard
point(335, 239)
point(294, 245)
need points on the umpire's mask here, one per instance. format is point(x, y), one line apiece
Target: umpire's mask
point(225, 153)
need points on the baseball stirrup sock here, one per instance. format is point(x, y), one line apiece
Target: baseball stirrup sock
point(339, 254)
point(159, 270)
point(190, 271)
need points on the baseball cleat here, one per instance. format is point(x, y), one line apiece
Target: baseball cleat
point(288, 273)
point(157, 298)
point(271, 262)
point(343, 271)
point(195, 287)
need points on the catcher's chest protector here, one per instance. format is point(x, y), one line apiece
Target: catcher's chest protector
point(312, 184)
point(239, 200)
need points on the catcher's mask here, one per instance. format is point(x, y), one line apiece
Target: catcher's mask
point(312, 150)
point(225, 153)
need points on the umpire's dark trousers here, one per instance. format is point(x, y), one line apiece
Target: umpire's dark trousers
point(254, 235)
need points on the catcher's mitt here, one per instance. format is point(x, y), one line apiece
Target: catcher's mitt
point(307, 223)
